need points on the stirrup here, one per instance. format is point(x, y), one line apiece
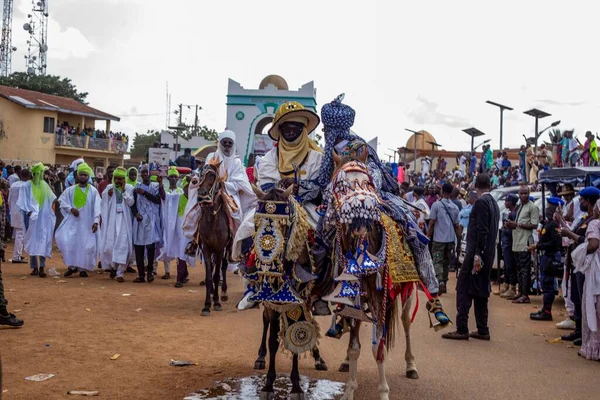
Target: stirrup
point(337, 330)
point(434, 306)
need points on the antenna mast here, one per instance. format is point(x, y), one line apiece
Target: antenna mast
point(6, 47)
point(37, 45)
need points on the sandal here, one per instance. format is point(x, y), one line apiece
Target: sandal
point(139, 279)
point(166, 276)
point(34, 272)
point(178, 285)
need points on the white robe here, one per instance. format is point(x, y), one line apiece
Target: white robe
point(74, 237)
point(268, 174)
point(38, 238)
point(174, 240)
point(149, 230)
point(116, 236)
point(237, 184)
point(17, 219)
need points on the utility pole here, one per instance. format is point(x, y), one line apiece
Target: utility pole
point(196, 122)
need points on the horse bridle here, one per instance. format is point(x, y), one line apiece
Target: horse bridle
point(209, 198)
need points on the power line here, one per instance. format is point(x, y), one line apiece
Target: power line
point(143, 115)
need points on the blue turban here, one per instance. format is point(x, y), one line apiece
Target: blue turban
point(337, 119)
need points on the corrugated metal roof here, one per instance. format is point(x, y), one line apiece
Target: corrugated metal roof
point(42, 101)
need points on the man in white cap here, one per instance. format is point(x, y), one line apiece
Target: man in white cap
point(72, 177)
point(232, 171)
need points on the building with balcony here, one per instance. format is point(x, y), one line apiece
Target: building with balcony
point(28, 122)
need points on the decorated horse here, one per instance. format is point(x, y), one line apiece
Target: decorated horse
point(213, 233)
point(374, 269)
point(283, 279)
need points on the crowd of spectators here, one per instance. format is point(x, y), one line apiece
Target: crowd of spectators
point(74, 136)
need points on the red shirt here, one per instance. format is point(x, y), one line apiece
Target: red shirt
point(102, 185)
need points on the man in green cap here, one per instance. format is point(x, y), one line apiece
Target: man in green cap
point(174, 202)
point(116, 236)
point(77, 236)
point(35, 199)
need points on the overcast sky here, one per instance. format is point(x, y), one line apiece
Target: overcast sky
point(403, 64)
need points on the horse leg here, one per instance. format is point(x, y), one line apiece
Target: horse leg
point(208, 279)
point(297, 393)
point(320, 364)
point(345, 365)
point(384, 389)
point(262, 351)
point(353, 354)
point(411, 366)
point(267, 392)
point(224, 265)
point(217, 282)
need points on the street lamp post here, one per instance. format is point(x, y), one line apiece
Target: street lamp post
point(415, 145)
point(433, 146)
point(537, 114)
point(502, 108)
point(482, 143)
point(395, 152)
point(473, 132)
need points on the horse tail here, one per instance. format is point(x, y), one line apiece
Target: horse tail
point(391, 324)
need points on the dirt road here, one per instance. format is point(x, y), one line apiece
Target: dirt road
point(72, 330)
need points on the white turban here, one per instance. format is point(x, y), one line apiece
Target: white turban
point(227, 135)
point(75, 164)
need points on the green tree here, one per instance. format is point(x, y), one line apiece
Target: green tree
point(203, 131)
point(49, 84)
point(142, 142)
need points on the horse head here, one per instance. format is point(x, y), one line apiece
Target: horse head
point(354, 198)
point(210, 183)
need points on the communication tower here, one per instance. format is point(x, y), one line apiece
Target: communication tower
point(37, 45)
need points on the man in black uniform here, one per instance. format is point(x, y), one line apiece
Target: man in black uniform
point(6, 318)
point(474, 284)
point(551, 244)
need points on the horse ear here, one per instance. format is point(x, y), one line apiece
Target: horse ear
point(288, 192)
point(218, 164)
point(336, 159)
point(259, 193)
point(364, 153)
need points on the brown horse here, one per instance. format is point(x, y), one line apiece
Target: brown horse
point(214, 234)
point(279, 195)
point(355, 211)
point(279, 264)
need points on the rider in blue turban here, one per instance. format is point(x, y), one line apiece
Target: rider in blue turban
point(337, 119)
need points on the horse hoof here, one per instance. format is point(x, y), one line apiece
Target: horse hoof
point(217, 307)
point(260, 364)
point(344, 367)
point(321, 365)
point(297, 396)
point(224, 297)
point(267, 396)
point(412, 374)
point(205, 312)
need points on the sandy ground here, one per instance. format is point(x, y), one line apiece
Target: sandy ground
point(61, 337)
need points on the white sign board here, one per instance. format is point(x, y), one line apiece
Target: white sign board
point(160, 158)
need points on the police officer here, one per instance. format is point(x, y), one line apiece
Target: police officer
point(550, 244)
